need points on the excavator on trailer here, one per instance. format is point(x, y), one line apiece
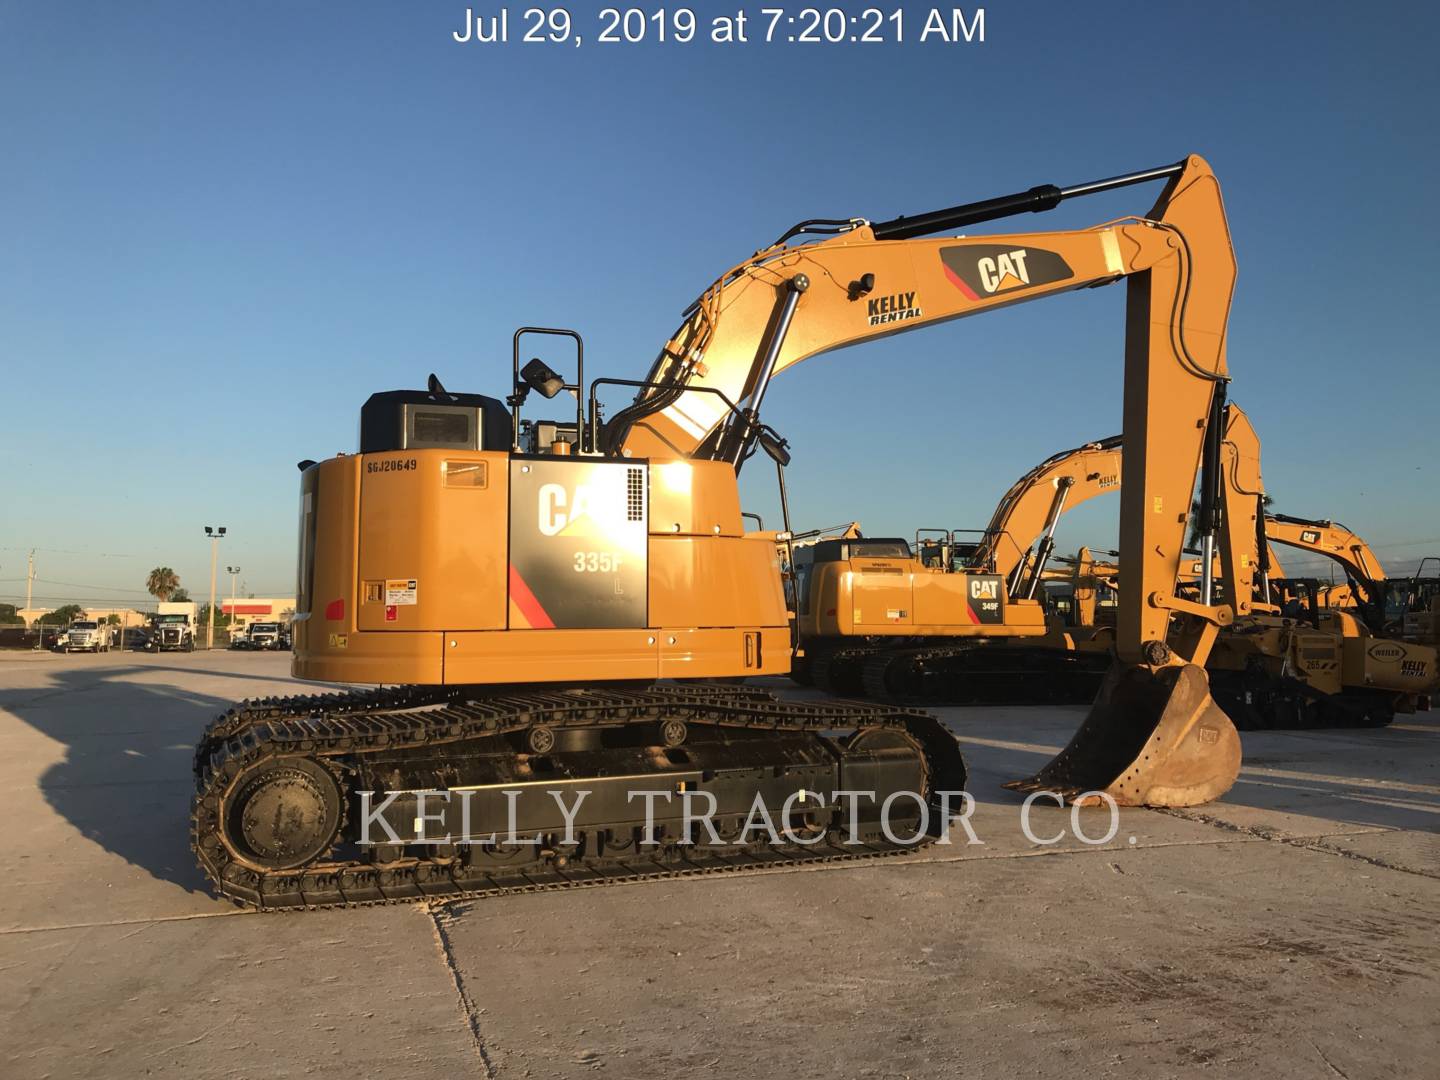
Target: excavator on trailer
point(880, 617)
point(512, 591)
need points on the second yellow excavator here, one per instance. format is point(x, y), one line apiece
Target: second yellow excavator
point(879, 616)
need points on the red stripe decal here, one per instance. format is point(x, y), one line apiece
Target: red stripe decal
point(524, 599)
point(959, 283)
point(974, 619)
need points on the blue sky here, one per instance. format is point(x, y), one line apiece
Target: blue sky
point(226, 224)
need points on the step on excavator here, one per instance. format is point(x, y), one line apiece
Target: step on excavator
point(516, 592)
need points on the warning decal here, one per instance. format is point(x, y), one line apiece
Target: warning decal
point(400, 592)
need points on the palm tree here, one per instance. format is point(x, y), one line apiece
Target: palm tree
point(162, 583)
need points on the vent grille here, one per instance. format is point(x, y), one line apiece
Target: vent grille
point(635, 495)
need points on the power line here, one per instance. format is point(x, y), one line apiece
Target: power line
point(101, 588)
point(68, 551)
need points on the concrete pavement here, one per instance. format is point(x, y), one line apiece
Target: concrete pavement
point(1287, 930)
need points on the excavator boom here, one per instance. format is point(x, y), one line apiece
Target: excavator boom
point(789, 302)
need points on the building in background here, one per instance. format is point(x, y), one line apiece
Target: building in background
point(127, 616)
point(248, 610)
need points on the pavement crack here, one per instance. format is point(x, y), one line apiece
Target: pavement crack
point(439, 923)
point(1328, 1063)
point(1261, 832)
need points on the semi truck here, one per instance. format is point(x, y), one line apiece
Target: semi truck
point(173, 627)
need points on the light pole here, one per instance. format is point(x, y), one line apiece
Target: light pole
point(216, 535)
point(234, 572)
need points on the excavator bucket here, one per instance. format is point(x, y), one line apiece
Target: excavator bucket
point(1150, 740)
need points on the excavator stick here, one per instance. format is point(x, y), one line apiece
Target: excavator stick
point(1151, 739)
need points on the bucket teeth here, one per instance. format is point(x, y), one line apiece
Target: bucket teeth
point(1151, 739)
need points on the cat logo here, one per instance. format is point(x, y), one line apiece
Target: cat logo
point(1005, 271)
point(587, 510)
point(984, 270)
point(985, 590)
point(1309, 536)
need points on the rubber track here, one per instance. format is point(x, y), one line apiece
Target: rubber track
point(343, 725)
point(965, 673)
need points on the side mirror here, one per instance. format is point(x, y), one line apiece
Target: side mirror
point(775, 447)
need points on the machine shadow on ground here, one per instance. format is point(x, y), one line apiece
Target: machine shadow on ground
point(125, 780)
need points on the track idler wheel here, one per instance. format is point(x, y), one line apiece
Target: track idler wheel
point(283, 813)
point(1151, 739)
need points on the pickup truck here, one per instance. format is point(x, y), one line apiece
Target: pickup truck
point(268, 635)
point(86, 635)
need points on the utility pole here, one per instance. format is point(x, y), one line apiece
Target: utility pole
point(216, 535)
point(234, 572)
point(29, 594)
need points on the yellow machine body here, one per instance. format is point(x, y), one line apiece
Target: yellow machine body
point(864, 596)
point(446, 567)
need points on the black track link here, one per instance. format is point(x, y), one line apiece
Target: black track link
point(339, 727)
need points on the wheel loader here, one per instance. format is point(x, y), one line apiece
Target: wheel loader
point(518, 593)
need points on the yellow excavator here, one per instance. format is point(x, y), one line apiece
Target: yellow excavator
point(1308, 654)
point(513, 589)
point(1364, 589)
point(1323, 665)
point(1310, 666)
point(1412, 607)
point(883, 617)
point(1074, 590)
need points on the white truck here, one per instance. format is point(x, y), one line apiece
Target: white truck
point(86, 635)
point(268, 635)
point(173, 628)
